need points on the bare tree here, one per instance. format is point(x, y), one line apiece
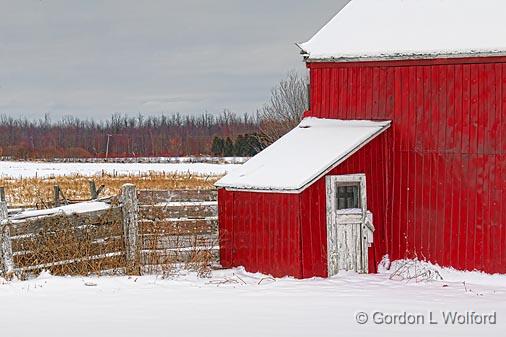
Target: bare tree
point(283, 111)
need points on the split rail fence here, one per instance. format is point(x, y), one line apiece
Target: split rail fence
point(139, 232)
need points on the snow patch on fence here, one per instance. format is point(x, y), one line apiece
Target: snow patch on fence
point(83, 207)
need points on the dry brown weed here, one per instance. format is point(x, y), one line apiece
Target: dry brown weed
point(38, 192)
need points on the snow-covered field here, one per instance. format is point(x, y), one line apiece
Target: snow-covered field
point(236, 303)
point(20, 169)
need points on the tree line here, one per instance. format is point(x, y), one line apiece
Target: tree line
point(243, 146)
point(122, 136)
point(225, 134)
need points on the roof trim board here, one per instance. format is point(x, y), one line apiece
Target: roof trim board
point(407, 57)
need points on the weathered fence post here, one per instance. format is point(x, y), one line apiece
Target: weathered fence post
point(3, 204)
point(130, 209)
point(5, 237)
point(93, 190)
point(56, 195)
point(59, 196)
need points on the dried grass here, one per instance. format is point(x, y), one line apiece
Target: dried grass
point(38, 192)
point(201, 259)
point(166, 254)
point(85, 244)
point(414, 270)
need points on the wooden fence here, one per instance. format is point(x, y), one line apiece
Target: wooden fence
point(141, 232)
point(178, 226)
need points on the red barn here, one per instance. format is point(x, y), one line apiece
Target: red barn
point(405, 137)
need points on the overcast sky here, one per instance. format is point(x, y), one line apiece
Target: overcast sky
point(91, 58)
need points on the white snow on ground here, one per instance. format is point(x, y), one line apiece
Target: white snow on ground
point(20, 169)
point(236, 303)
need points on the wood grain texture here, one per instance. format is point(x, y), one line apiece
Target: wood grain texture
point(130, 208)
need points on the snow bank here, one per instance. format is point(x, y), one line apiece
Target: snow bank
point(442, 274)
point(390, 28)
point(236, 303)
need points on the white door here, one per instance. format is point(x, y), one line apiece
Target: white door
point(349, 224)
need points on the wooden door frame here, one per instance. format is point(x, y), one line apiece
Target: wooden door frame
point(331, 182)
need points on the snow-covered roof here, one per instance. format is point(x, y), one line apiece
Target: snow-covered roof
point(303, 155)
point(379, 29)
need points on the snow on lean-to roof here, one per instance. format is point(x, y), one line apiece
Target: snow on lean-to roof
point(303, 155)
point(418, 28)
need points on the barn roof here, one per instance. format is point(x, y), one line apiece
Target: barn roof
point(303, 155)
point(379, 29)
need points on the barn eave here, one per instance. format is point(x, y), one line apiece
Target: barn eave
point(401, 57)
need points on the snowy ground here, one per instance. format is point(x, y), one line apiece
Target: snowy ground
point(235, 303)
point(20, 169)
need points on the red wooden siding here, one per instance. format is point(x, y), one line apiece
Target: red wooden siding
point(225, 216)
point(448, 168)
point(260, 231)
point(374, 161)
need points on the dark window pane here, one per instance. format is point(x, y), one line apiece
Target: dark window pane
point(348, 196)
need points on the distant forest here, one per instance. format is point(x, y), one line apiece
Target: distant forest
point(225, 134)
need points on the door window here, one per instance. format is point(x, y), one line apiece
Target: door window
point(348, 195)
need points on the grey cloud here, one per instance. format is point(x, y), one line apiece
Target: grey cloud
point(95, 57)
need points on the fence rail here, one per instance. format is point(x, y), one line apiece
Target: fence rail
point(147, 230)
point(179, 226)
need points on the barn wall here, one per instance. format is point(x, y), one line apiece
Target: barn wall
point(225, 221)
point(448, 175)
point(260, 231)
point(373, 160)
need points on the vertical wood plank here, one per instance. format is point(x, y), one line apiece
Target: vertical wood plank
point(451, 128)
point(466, 109)
point(316, 102)
point(472, 210)
point(398, 95)
point(225, 229)
point(390, 96)
point(442, 108)
point(93, 190)
point(382, 94)
point(458, 113)
point(368, 99)
point(333, 93)
point(474, 110)
point(5, 238)
point(6, 250)
point(455, 221)
point(325, 89)
point(427, 110)
point(130, 209)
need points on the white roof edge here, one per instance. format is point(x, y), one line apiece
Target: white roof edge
point(404, 57)
point(384, 124)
